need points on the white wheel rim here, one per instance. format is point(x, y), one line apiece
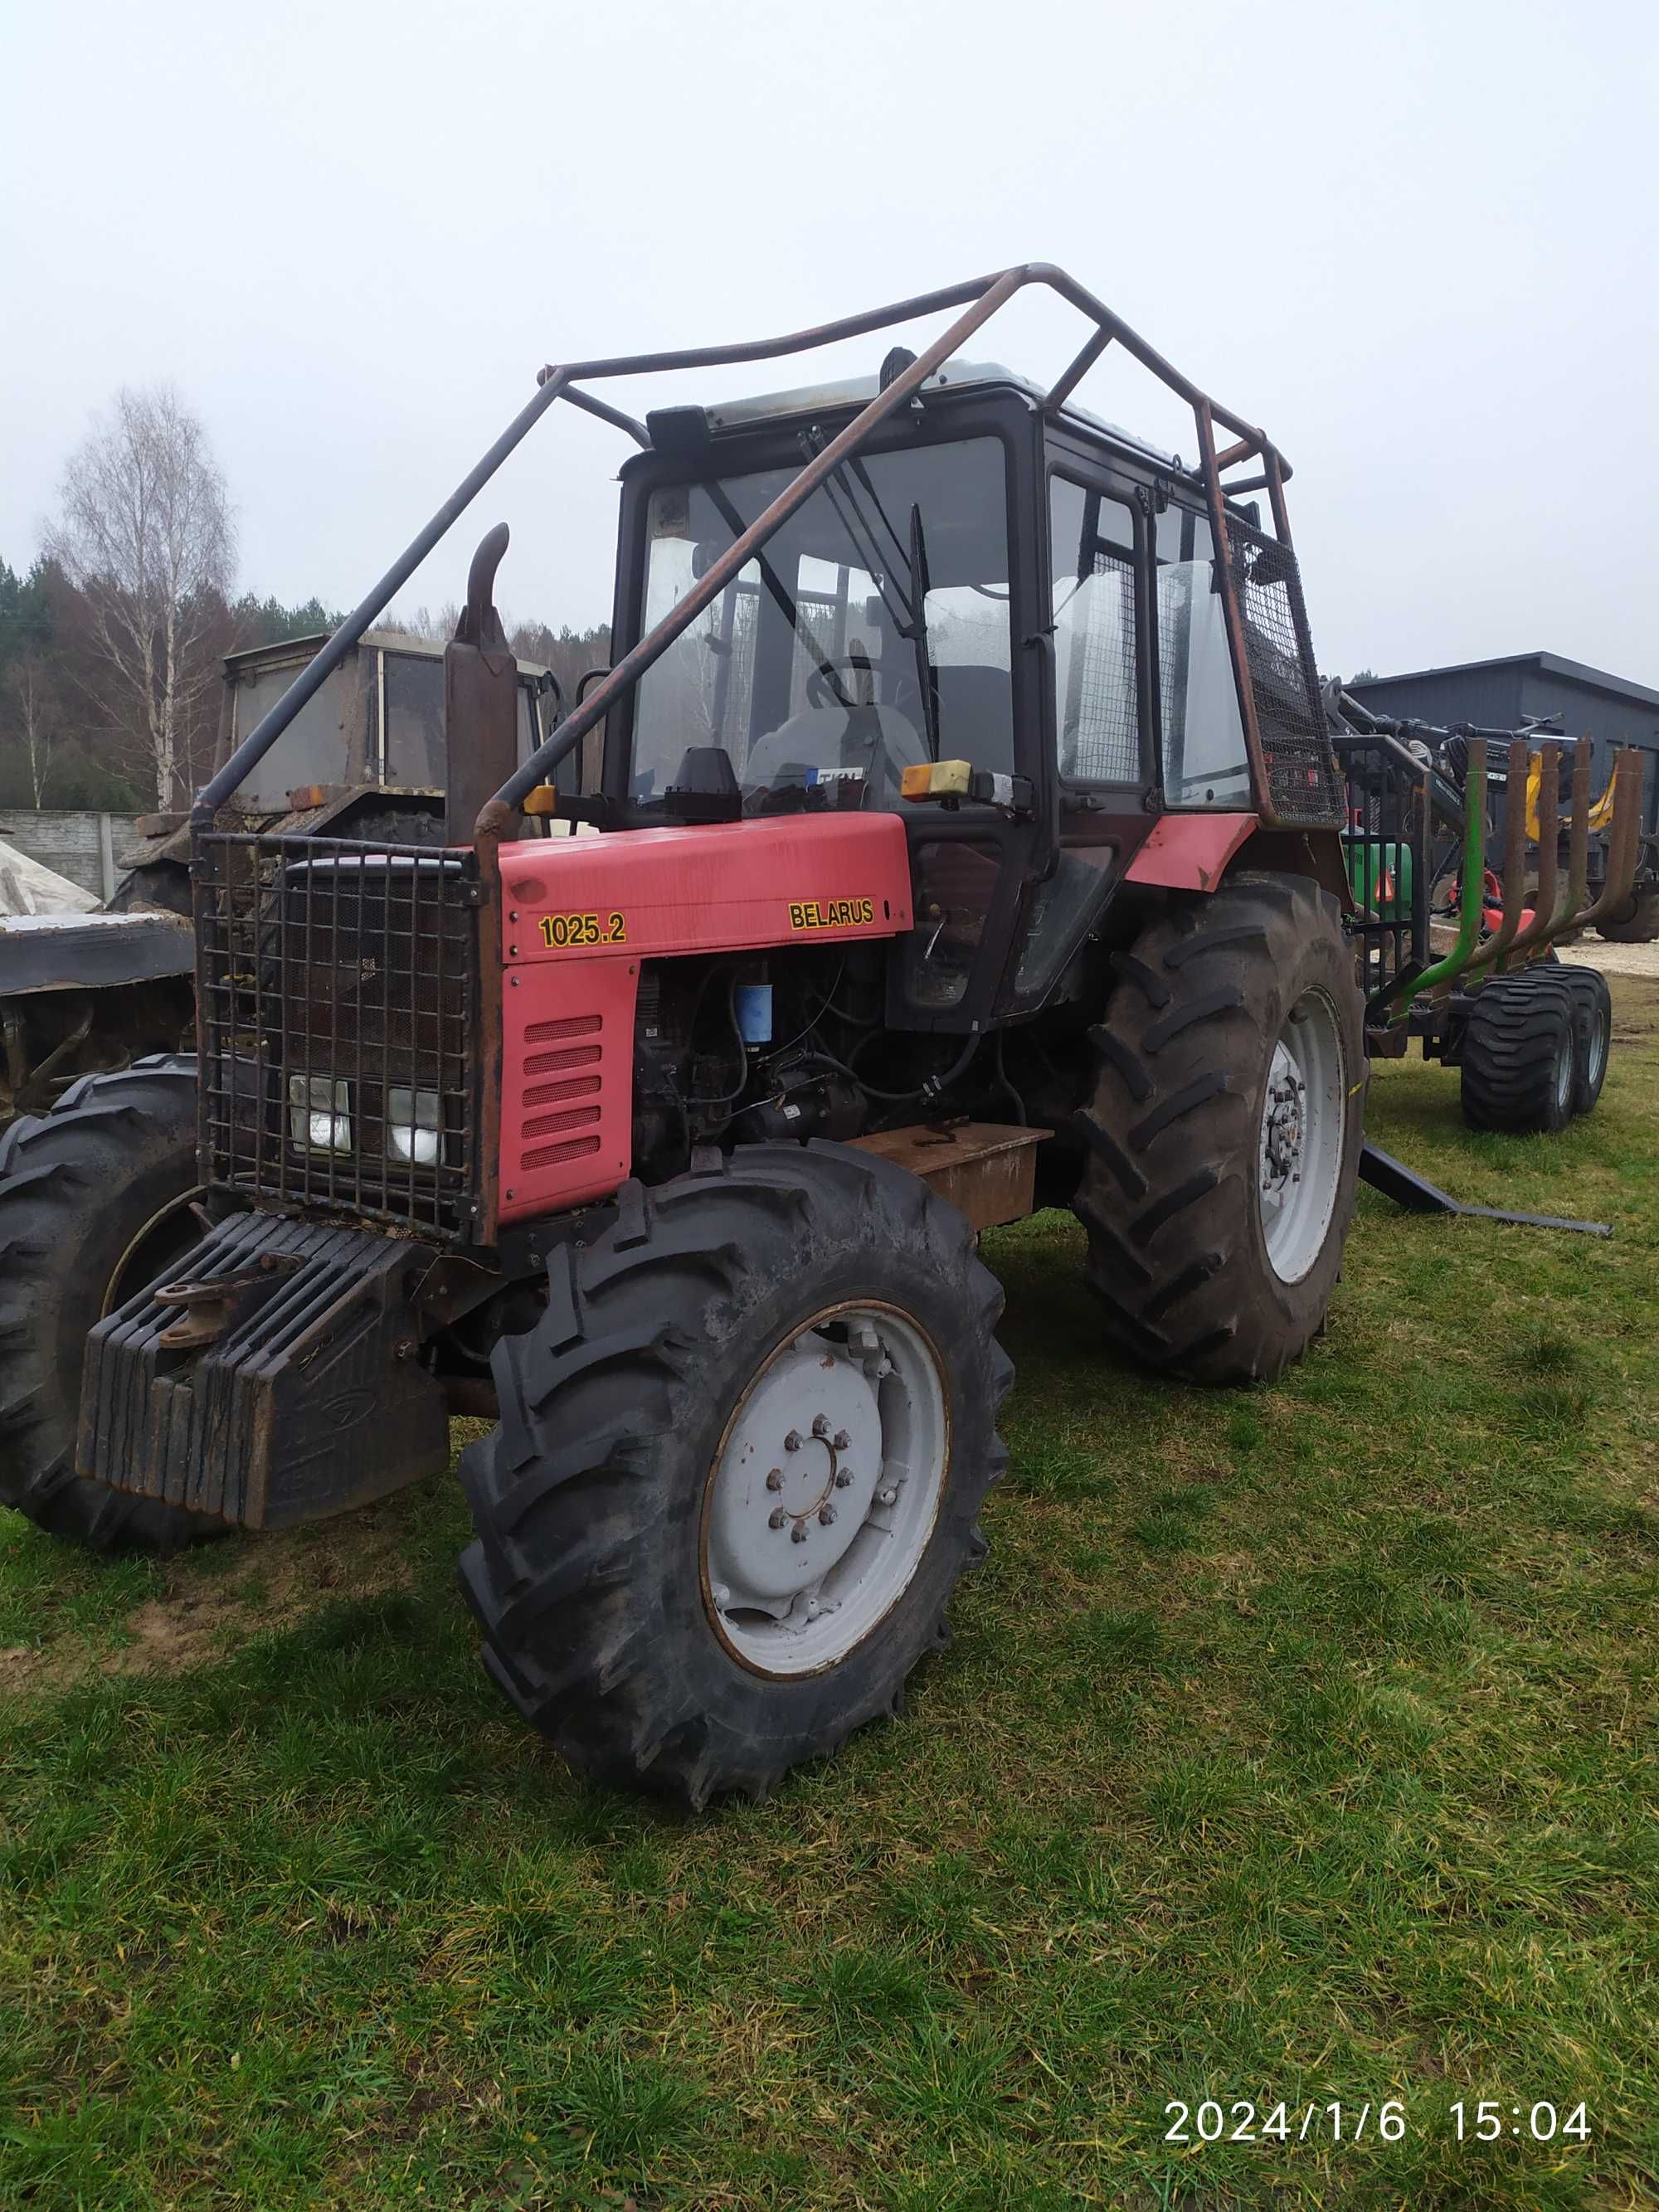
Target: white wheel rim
point(1305, 1116)
point(1596, 1057)
point(1564, 1073)
point(808, 1545)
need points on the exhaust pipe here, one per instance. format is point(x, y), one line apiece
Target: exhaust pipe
point(481, 698)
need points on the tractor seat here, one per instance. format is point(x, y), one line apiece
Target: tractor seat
point(872, 745)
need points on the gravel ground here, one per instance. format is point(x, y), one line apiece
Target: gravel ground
point(1611, 959)
point(1616, 959)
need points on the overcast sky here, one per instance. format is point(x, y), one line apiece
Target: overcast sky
point(1418, 243)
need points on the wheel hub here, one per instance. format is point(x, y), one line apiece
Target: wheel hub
point(798, 1477)
point(824, 1497)
point(1304, 1111)
point(1282, 1122)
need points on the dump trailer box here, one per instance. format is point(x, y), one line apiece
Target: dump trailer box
point(269, 1377)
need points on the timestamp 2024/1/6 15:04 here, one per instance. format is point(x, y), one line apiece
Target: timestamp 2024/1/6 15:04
point(1245, 2120)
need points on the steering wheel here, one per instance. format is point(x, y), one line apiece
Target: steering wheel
point(823, 686)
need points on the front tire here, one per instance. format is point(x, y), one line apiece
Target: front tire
point(671, 1592)
point(94, 1200)
point(1225, 1131)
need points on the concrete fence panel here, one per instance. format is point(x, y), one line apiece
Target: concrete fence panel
point(74, 842)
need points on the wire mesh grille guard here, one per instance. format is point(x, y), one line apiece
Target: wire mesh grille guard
point(1387, 859)
point(1100, 726)
point(338, 989)
point(1302, 779)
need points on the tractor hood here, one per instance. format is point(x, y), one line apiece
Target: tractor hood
point(721, 887)
point(579, 915)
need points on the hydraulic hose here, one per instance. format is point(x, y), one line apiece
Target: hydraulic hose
point(930, 1088)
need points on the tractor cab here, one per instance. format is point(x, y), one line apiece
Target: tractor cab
point(989, 584)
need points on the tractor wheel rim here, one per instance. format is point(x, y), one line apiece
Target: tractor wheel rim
point(1596, 1055)
point(825, 1489)
point(1563, 1075)
point(1304, 1114)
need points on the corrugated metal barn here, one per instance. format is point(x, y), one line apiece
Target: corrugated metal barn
point(1496, 695)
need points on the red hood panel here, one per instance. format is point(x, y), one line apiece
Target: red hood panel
point(784, 879)
point(580, 914)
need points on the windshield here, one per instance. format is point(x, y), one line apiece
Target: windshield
point(870, 635)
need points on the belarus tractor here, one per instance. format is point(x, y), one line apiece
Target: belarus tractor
point(965, 836)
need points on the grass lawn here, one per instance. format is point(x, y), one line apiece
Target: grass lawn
point(1299, 1746)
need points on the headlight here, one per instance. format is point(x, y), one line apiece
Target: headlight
point(414, 1125)
point(319, 1113)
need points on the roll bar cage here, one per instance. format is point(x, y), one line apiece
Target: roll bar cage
point(980, 298)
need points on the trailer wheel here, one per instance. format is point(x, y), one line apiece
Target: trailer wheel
point(1592, 1033)
point(1520, 1053)
point(94, 1199)
point(1636, 922)
point(1225, 1131)
point(739, 1471)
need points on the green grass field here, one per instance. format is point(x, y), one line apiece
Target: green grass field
point(1294, 1747)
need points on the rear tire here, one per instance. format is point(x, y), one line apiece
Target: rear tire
point(1224, 1132)
point(92, 1195)
point(1520, 1053)
point(1592, 1033)
point(623, 1493)
point(1638, 922)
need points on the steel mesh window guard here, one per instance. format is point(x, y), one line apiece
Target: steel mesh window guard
point(1302, 783)
point(339, 990)
point(1095, 643)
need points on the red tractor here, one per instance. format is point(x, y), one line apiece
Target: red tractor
point(967, 839)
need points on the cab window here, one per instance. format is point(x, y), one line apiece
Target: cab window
point(1205, 761)
point(871, 634)
point(1092, 574)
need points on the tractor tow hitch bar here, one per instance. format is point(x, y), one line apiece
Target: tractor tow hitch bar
point(1417, 1194)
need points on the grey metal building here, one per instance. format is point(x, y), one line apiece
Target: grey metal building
point(1496, 695)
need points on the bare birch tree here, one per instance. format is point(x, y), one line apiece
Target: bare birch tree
point(146, 535)
point(37, 715)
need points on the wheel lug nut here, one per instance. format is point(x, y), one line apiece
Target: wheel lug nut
point(774, 1478)
point(841, 1439)
point(820, 1424)
point(792, 1442)
point(777, 1518)
point(887, 1498)
point(844, 1475)
point(798, 1533)
point(826, 1515)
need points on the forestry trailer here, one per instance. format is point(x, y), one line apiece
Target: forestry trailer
point(969, 837)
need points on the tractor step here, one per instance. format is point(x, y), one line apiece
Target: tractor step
point(269, 1377)
point(1417, 1194)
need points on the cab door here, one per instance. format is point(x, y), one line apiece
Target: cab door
point(972, 866)
point(1099, 717)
